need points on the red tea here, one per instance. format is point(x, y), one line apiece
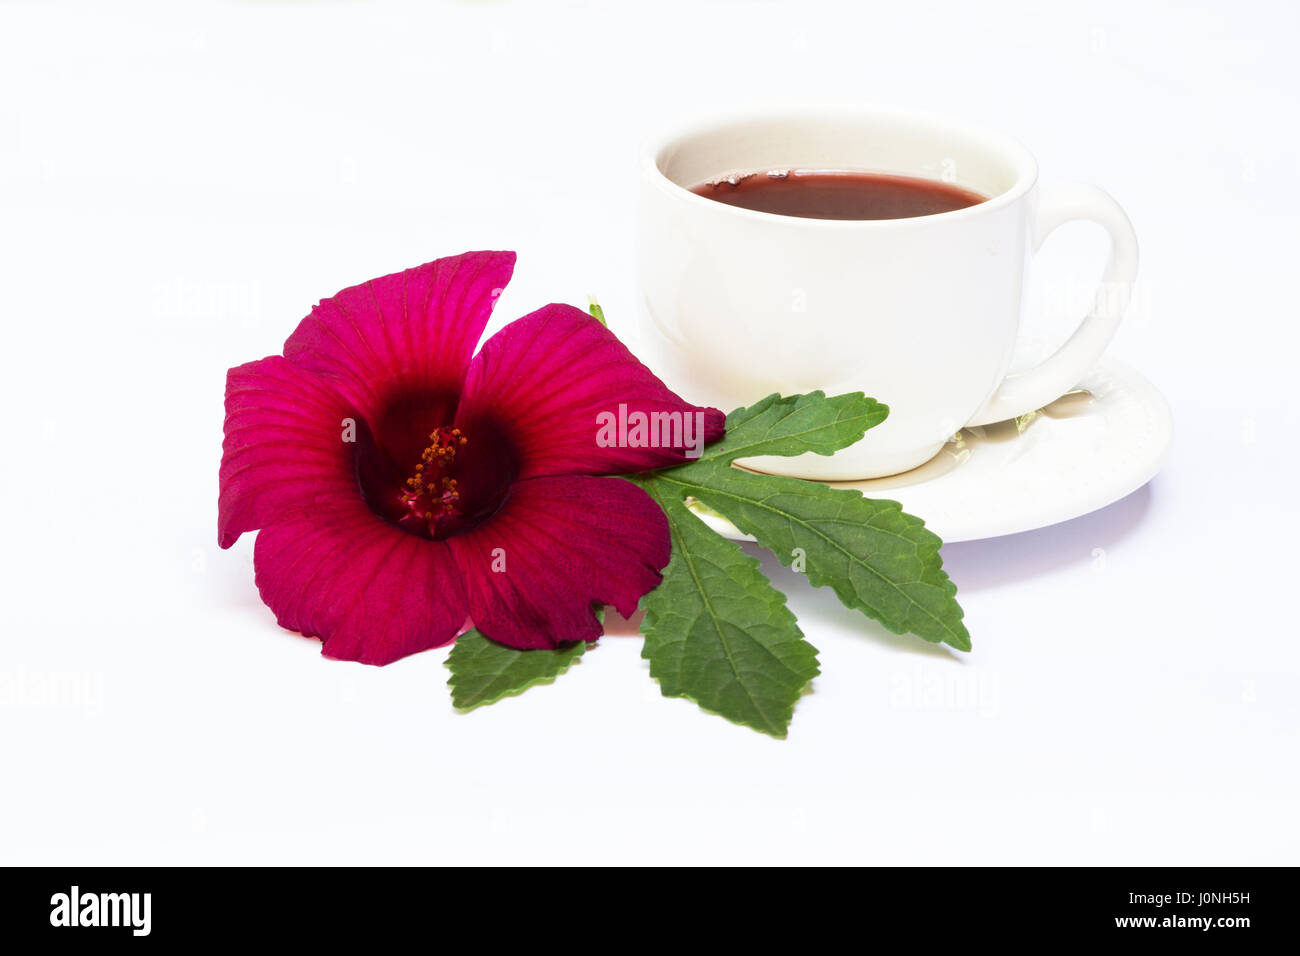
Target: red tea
point(838, 194)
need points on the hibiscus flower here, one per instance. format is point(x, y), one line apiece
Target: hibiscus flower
point(403, 485)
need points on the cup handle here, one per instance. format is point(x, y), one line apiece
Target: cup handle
point(1029, 391)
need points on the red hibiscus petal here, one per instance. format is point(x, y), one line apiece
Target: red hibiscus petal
point(411, 330)
point(559, 546)
point(371, 592)
point(547, 377)
point(284, 450)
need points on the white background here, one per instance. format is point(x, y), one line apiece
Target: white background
point(179, 183)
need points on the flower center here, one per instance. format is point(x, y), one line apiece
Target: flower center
point(433, 483)
point(431, 495)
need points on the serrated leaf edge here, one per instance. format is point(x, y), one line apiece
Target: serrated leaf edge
point(569, 662)
point(960, 641)
point(776, 398)
point(778, 732)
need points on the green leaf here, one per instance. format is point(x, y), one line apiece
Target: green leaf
point(597, 312)
point(483, 671)
point(717, 632)
point(875, 557)
point(797, 424)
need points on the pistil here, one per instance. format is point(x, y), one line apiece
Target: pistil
point(431, 495)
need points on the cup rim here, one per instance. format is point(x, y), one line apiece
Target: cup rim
point(1019, 157)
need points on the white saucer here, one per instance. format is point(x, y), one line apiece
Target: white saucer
point(1084, 451)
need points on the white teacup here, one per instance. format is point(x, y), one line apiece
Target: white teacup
point(919, 313)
